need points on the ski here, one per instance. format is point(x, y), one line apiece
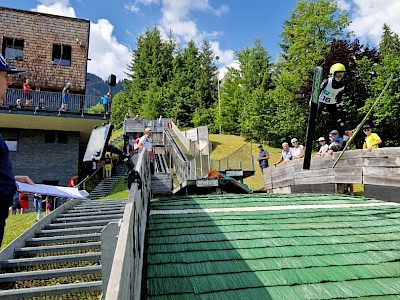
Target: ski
point(317, 79)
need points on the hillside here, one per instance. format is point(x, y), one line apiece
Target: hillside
point(223, 145)
point(95, 86)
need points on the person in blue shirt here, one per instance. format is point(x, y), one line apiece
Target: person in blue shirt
point(7, 178)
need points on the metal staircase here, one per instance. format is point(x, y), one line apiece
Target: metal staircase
point(107, 184)
point(64, 257)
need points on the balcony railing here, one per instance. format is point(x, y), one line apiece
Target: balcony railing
point(51, 100)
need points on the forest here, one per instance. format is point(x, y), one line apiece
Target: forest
point(265, 100)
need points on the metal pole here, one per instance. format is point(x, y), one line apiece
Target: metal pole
point(219, 106)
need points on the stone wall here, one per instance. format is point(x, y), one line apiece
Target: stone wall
point(46, 161)
point(39, 32)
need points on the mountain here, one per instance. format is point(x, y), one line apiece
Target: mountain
point(95, 86)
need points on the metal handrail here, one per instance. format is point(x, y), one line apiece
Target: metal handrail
point(51, 100)
point(83, 182)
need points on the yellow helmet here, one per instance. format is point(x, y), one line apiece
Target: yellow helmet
point(338, 67)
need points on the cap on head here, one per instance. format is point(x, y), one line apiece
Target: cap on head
point(259, 145)
point(5, 67)
point(293, 140)
point(321, 139)
point(366, 126)
point(334, 131)
point(148, 129)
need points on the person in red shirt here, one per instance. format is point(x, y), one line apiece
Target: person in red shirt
point(27, 93)
point(73, 181)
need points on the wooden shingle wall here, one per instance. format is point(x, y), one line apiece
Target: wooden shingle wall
point(39, 32)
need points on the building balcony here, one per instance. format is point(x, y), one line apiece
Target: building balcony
point(43, 112)
point(50, 102)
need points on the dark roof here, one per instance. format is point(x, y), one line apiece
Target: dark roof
point(282, 253)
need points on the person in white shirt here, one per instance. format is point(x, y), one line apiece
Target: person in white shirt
point(146, 141)
point(324, 146)
point(297, 150)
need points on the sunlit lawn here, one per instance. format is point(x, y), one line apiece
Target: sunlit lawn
point(16, 225)
point(120, 191)
point(223, 145)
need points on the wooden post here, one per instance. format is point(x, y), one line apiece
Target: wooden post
point(317, 79)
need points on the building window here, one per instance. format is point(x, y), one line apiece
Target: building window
point(61, 55)
point(62, 137)
point(13, 49)
point(49, 137)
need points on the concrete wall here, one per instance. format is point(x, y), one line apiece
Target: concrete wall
point(46, 161)
point(39, 32)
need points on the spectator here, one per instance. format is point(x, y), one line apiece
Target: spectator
point(297, 150)
point(323, 146)
point(105, 101)
point(65, 96)
point(336, 142)
point(24, 200)
point(47, 200)
point(286, 154)
point(136, 118)
point(146, 142)
point(37, 202)
point(16, 205)
point(18, 103)
point(28, 93)
point(108, 165)
point(126, 116)
point(73, 181)
point(262, 158)
point(372, 140)
point(7, 178)
point(331, 93)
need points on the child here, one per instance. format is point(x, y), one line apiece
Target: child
point(331, 92)
point(372, 140)
point(323, 146)
point(48, 204)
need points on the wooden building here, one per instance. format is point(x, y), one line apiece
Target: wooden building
point(52, 49)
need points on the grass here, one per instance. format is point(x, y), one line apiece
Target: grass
point(16, 225)
point(120, 191)
point(223, 145)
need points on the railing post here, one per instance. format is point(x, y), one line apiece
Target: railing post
point(109, 238)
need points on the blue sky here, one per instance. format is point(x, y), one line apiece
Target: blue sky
point(229, 25)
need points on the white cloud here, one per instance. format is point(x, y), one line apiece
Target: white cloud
point(56, 7)
point(369, 16)
point(177, 15)
point(107, 55)
point(135, 7)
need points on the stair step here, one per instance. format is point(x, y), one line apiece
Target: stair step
point(69, 231)
point(46, 260)
point(46, 274)
point(62, 239)
point(90, 213)
point(88, 218)
point(56, 248)
point(80, 224)
point(50, 290)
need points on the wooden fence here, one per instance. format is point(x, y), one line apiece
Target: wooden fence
point(378, 170)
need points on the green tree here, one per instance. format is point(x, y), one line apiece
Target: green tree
point(149, 71)
point(306, 37)
point(386, 114)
